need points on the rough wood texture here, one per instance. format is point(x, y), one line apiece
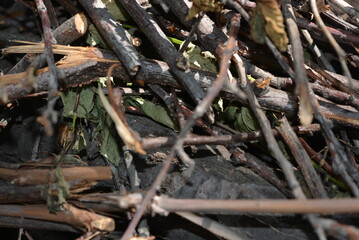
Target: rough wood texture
point(157, 72)
point(114, 34)
point(164, 47)
point(71, 215)
point(43, 176)
point(66, 33)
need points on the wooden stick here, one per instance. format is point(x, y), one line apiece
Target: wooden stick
point(20, 222)
point(311, 177)
point(66, 33)
point(71, 215)
point(323, 206)
point(114, 34)
point(157, 72)
point(44, 176)
point(28, 194)
point(164, 47)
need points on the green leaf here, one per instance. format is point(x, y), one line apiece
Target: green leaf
point(109, 146)
point(94, 38)
point(80, 143)
point(201, 59)
point(257, 25)
point(231, 113)
point(245, 121)
point(82, 98)
point(63, 187)
point(116, 10)
point(105, 131)
point(154, 111)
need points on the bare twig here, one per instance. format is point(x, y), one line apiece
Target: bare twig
point(272, 144)
point(49, 115)
point(341, 6)
point(164, 47)
point(316, 50)
point(301, 81)
point(323, 206)
point(213, 226)
point(71, 215)
point(341, 161)
point(20, 222)
point(300, 155)
point(228, 140)
point(334, 146)
point(285, 66)
point(316, 157)
point(340, 52)
point(338, 230)
point(123, 130)
point(199, 111)
point(244, 158)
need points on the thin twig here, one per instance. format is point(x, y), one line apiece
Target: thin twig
point(340, 52)
point(228, 140)
point(199, 111)
point(191, 34)
point(272, 144)
point(301, 81)
point(300, 155)
point(304, 206)
point(49, 115)
point(213, 226)
point(338, 230)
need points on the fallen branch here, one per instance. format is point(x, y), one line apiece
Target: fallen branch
point(322, 206)
point(66, 33)
point(44, 176)
point(114, 34)
point(214, 227)
point(84, 65)
point(71, 215)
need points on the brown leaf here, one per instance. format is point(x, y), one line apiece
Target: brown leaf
point(268, 17)
point(204, 5)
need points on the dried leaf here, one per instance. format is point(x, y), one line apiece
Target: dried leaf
point(122, 129)
point(204, 5)
point(265, 83)
point(322, 7)
point(267, 16)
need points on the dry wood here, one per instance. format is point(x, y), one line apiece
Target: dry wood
point(80, 70)
point(114, 34)
point(323, 206)
point(305, 111)
point(164, 47)
point(20, 222)
point(30, 194)
point(71, 215)
point(44, 176)
point(338, 230)
point(199, 111)
point(300, 155)
point(214, 227)
point(153, 143)
point(66, 33)
point(244, 158)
